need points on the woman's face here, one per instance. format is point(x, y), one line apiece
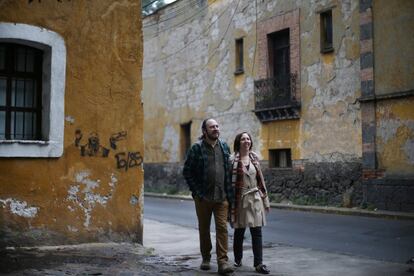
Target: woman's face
point(245, 142)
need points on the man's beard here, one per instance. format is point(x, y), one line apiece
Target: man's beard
point(211, 137)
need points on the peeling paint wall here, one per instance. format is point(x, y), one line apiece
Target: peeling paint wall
point(94, 191)
point(394, 57)
point(395, 133)
point(189, 75)
point(394, 71)
point(330, 121)
point(387, 103)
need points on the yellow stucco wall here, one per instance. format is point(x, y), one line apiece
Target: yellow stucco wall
point(395, 136)
point(393, 45)
point(281, 135)
point(393, 73)
point(84, 198)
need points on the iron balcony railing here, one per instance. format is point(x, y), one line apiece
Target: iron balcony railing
point(275, 92)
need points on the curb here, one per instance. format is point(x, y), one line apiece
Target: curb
point(318, 209)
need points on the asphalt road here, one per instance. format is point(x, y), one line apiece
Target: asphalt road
point(376, 238)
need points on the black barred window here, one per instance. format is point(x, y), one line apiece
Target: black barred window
point(20, 92)
point(280, 158)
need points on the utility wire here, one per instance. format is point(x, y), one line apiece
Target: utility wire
point(197, 38)
point(179, 24)
point(174, 7)
point(176, 11)
point(255, 45)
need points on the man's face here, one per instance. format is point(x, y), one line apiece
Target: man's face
point(212, 131)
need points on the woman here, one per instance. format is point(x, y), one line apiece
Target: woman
point(250, 202)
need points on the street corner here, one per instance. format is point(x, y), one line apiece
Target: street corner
point(89, 259)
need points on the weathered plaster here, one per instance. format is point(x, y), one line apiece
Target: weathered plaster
point(170, 143)
point(85, 198)
point(395, 135)
point(210, 89)
point(387, 129)
point(70, 119)
point(394, 57)
point(408, 149)
point(198, 81)
point(79, 195)
point(19, 208)
point(198, 85)
point(245, 20)
point(330, 91)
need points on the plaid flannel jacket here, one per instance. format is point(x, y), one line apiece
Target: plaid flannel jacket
point(195, 169)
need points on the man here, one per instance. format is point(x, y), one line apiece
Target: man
point(206, 170)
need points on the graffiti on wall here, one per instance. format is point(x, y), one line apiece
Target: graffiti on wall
point(126, 160)
point(93, 148)
point(117, 137)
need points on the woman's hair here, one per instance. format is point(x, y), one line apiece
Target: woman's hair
point(236, 145)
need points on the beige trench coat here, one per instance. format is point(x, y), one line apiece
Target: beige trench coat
point(251, 209)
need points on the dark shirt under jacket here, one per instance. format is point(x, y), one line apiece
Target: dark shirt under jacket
point(215, 173)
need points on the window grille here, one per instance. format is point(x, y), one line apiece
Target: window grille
point(20, 92)
point(280, 158)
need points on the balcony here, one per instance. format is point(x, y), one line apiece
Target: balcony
point(275, 99)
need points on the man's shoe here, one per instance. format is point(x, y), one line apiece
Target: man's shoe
point(262, 269)
point(205, 265)
point(225, 268)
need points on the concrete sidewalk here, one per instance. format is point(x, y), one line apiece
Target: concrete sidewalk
point(173, 250)
point(180, 244)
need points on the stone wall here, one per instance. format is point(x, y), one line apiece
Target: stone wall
point(333, 184)
point(165, 178)
point(390, 194)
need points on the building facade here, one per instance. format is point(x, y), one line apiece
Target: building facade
point(387, 103)
point(300, 76)
point(71, 122)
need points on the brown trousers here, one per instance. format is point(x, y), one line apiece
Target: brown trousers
point(204, 210)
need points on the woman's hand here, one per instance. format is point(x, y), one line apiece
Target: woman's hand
point(267, 209)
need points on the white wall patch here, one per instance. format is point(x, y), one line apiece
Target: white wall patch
point(20, 208)
point(83, 196)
